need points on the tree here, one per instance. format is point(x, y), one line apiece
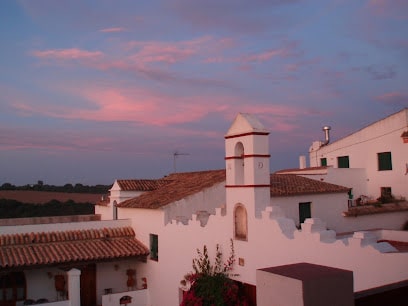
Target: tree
point(8, 186)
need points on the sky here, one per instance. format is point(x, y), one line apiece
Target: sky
point(93, 91)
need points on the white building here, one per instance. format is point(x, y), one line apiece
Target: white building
point(251, 206)
point(378, 155)
point(260, 212)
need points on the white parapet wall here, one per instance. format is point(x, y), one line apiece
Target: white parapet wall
point(137, 298)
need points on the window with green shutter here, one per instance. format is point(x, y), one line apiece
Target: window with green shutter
point(343, 162)
point(154, 247)
point(323, 162)
point(384, 161)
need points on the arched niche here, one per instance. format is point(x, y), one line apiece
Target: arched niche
point(240, 222)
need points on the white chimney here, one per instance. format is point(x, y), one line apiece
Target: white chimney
point(302, 162)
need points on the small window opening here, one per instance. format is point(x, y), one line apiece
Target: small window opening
point(154, 247)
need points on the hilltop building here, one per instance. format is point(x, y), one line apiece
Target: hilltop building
point(150, 230)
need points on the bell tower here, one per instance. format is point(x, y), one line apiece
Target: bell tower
point(247, 164)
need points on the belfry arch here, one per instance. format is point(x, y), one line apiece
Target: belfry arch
point(239, 164)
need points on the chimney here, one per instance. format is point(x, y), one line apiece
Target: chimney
point(302, 162)
point(326, 130)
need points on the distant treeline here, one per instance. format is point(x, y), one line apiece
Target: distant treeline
point(69, 188)
point(16, 209)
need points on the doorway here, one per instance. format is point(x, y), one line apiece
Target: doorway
point(305, 212)
point(88, 285)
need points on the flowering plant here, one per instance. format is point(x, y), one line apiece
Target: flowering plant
point(211, 285)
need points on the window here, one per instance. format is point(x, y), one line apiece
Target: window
point(384, 161)
point(240, 222)
point(154, 247)
point(304, 211)
point(12, 288)
point(323, 162)
point(343, 162)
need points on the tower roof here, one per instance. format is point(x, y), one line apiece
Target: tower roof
point(246, 123)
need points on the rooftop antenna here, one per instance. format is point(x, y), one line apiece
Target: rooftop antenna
point(175, 155)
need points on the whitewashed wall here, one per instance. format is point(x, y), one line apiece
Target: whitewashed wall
point(113, 275)
point(270, 242)
point(328, 207)
point(355, 178)
point(41, 284)
point(106, 212)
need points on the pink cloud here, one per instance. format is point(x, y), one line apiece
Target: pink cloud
point(389, 8)
point(394, 98)
point(112, 30)
point(67, 54)
point(126, 104)
point(288, 49)
point(173, 52)
point(263, 56)
point(152, 108)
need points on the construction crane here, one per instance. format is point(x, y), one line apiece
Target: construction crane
point(175, 155)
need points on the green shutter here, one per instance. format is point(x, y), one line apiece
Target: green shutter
point(343, 162)
point(384, 161)
point(323, 161)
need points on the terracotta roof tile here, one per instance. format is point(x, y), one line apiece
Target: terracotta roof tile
point(177, 187)
point(38, 249)
point(291, 185)
point(141, 185)
point(404, 134)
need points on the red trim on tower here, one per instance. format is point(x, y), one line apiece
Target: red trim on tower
point(247, 186)
point(248, 155)
point(246, 134)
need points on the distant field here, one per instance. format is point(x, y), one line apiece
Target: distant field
point(27, 196)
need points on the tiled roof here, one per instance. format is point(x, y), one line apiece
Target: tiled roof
point(291, 185)
point(179, 186)
point(141, 185)
point(64, 247)
point(404, 134)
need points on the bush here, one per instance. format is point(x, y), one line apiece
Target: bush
point(210, 284)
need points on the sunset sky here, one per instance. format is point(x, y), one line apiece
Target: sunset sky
point(91, 91)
